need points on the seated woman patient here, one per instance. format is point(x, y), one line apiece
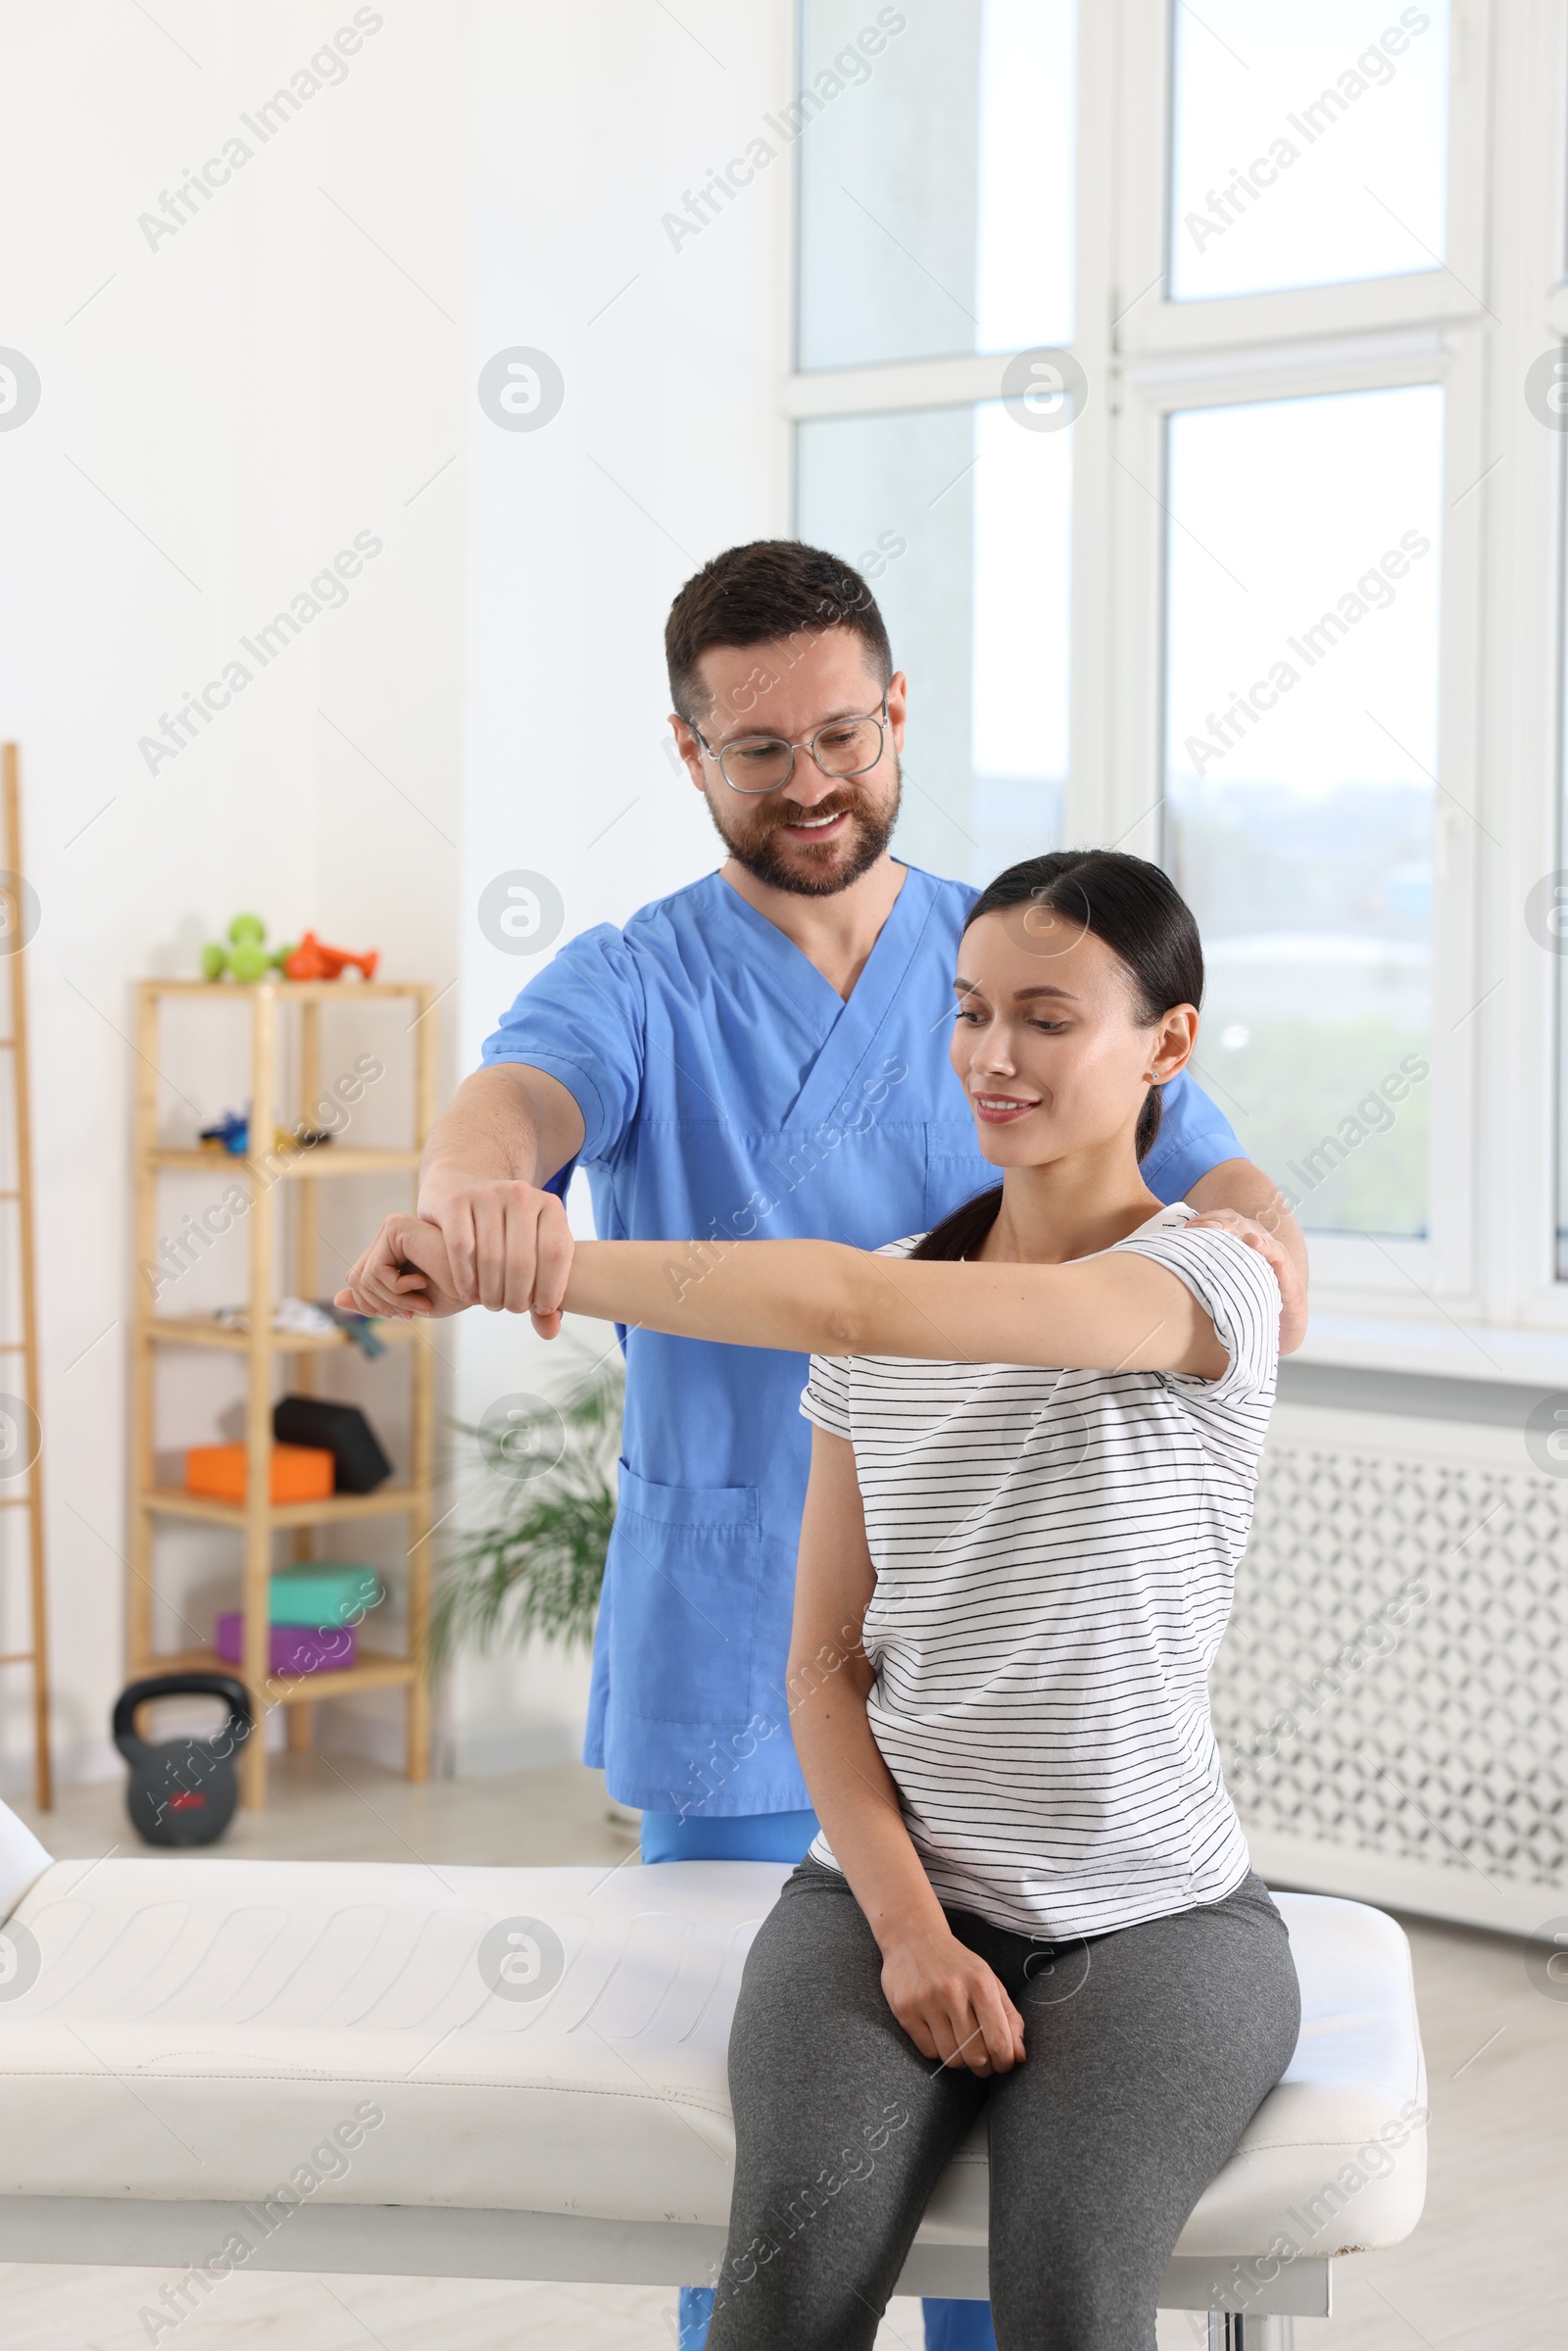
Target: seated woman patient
point(1036, 1439)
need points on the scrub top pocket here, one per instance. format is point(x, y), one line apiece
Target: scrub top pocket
point(684, 1569)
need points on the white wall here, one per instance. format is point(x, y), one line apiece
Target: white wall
point(235, 404)
point(669, 445)
point(223, 409)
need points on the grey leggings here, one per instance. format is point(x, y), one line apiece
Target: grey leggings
point(1149, 2053)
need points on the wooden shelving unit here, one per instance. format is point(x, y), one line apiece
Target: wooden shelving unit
point(258, 1519)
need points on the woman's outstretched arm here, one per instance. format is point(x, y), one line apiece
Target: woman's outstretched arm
point(943, 1994)
point(1108, 1313)
point(1105, 1313)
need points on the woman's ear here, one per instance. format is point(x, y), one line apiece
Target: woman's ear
point(1173, 1041)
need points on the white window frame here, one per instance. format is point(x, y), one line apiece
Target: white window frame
point(1369, 335)
point(1479, 1293)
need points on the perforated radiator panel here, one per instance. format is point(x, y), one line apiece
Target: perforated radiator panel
point(1394, 1686)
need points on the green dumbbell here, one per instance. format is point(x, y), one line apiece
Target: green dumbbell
point(247, 954)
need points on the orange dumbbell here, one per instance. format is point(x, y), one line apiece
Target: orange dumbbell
point(312, 961)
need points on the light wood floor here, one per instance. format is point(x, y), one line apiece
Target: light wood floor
point(1486, 2271)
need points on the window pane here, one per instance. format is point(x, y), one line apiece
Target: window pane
point(961, 520)
point(1301, 746)
point(1308, 143)
point(1547, 906)
point(936, 180)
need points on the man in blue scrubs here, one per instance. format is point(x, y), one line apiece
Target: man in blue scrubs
point(762, 1053)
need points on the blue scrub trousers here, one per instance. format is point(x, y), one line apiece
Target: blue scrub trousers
point(782, 1837)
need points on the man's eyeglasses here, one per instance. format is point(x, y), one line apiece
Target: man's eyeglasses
point(762, 763)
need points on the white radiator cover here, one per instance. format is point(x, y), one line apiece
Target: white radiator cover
point(1392, 1697)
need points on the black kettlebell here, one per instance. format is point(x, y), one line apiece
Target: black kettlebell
point(182, 1791)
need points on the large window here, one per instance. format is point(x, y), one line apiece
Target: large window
point(936, 201)
point(936, 221)
point(1301, 746)
point(959, 517)
point(1309, 144)
point(1191, 379)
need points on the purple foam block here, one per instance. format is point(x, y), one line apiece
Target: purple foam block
point(296, 1649)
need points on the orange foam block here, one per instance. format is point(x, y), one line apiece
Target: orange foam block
point(301, 1473)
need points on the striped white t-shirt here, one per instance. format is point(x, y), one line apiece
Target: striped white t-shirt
point(1054, 1553)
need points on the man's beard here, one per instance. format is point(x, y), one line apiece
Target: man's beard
point(767, 861)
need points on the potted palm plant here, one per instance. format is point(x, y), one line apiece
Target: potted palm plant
point(538, 1567)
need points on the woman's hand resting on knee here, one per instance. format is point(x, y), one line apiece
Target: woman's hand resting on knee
point(951, 2004)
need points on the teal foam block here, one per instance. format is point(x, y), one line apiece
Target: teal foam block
point(324, 1592)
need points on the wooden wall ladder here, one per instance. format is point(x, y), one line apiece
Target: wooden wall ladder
point(21, 1431)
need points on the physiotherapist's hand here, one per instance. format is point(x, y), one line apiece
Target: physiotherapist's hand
point(951, 2004)
point(1288, 1274)
point(404, 1273)
point(509, 1245)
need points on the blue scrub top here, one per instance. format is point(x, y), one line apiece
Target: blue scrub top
point(728, 1091)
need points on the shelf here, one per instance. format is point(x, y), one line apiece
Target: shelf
point(388, 1501)
point(196, 1330)
point(293, 992)
point(368, 1671)
point(282, 1245)
point(322, 1159)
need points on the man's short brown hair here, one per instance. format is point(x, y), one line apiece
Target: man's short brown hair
point(762, 593)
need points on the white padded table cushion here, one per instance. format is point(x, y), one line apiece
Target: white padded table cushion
point(198, 2029)
point(22, 1860)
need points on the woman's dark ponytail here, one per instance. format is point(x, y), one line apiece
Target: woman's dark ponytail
point(960, 1234)
point(1137, 910)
